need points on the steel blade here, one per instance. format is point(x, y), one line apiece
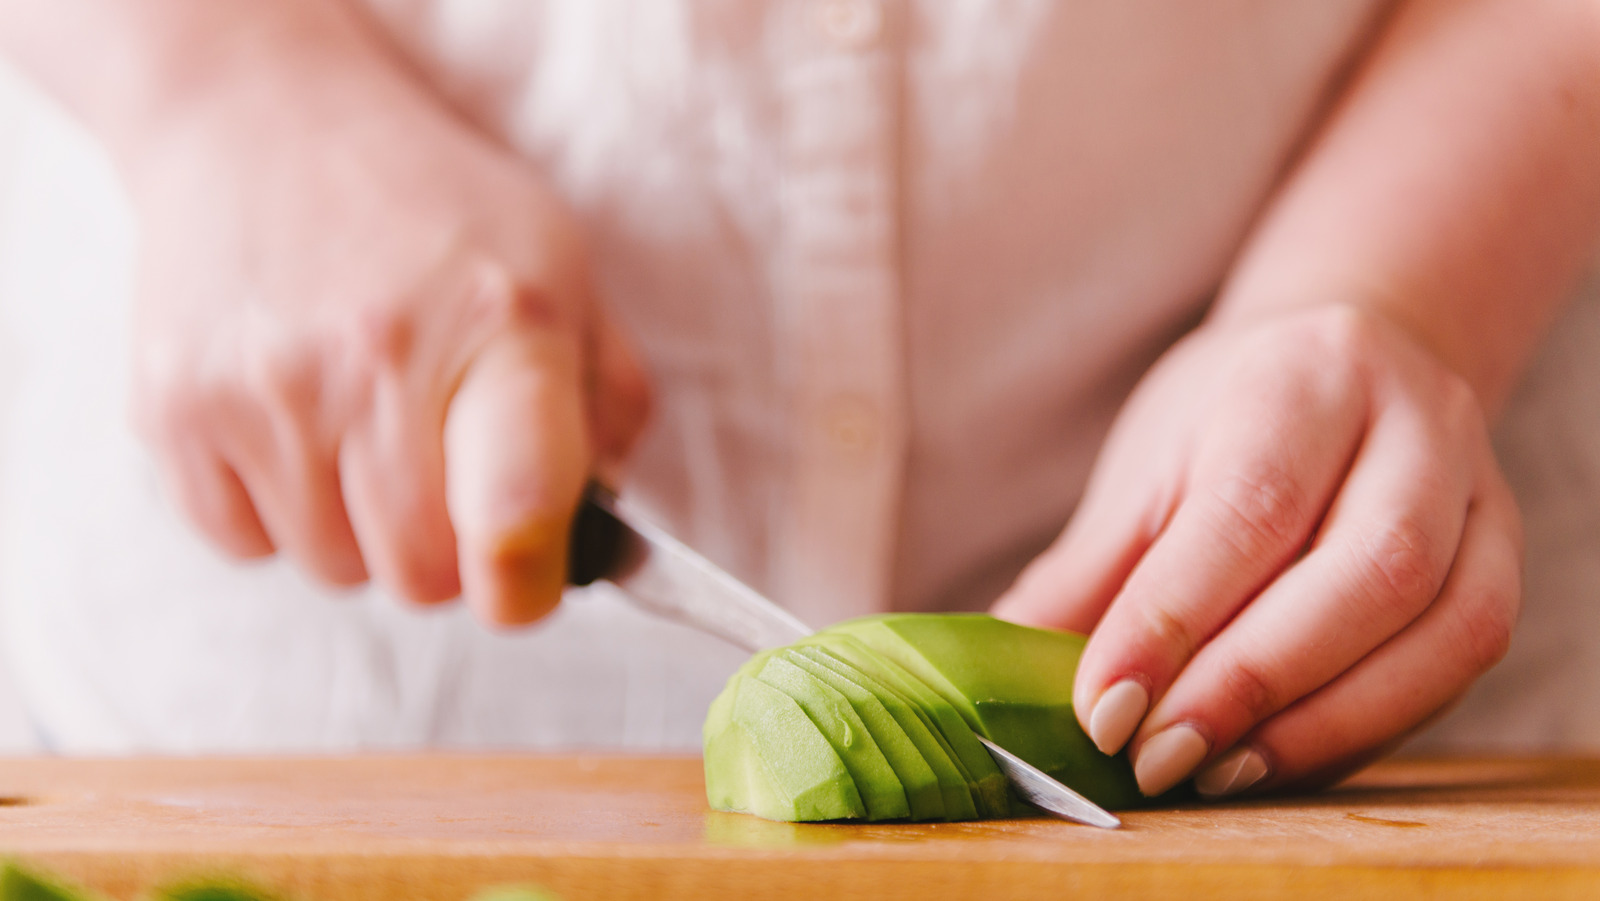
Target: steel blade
point(666, 577)
point(1037, 788)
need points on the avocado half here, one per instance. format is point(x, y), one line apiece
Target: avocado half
point(877, 718)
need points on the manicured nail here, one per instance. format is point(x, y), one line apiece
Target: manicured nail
point(1231, 773)
point(1117, 714)
point(1168, 759)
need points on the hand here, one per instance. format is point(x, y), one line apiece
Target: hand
point(366, 336)
point(1296, 547)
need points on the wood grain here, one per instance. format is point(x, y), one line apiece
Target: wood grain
point(592, 827)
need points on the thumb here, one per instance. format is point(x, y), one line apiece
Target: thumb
point(516, 460)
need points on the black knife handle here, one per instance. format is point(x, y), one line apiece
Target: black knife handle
point(596, 542)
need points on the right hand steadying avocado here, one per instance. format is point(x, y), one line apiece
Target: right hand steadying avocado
point(1297, 545)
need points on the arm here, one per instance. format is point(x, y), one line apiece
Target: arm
point(1455, 189)
point(348, 298)
point(129, 69)
point(1297, 545)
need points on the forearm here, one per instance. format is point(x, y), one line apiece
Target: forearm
point(130, 69)
point(1455, 188)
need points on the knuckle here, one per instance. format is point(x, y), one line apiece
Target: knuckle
point(380, 338)
point(500, 300)
point(1250, 687)
point(1265, 511)
point(1343, 332)
point(1484, 635)
point(286, 374)
point(1403, 563)
point(1459, 405)
point(1168, 633)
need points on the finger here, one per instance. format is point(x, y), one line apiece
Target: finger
point(209, 492)
point(1131, 493)
point(1261, 481)
point(1380, 560)
point(1070, 585)
point(301, 503)
point(1401, 684)
point(516, 461)
point(620, 399)
point(291, 473)
point(393, 471)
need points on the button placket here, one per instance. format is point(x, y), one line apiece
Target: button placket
point(838, 291)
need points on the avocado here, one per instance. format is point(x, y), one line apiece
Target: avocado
point(17, 884)
point(1012, 684)
point(946, 726)
point(765, 756)
point(879, 784)
point(916, 776)
point(878, 718)
point(955, 795)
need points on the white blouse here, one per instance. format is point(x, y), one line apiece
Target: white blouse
point(894, 264)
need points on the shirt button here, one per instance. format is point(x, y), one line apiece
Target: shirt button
point(851, 424)
point(851, 24)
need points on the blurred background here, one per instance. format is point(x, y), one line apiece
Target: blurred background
point(14, 112)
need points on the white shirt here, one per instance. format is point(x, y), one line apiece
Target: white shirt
point(894, 266)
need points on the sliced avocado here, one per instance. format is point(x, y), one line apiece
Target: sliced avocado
point(956, 798)
point(916, 776)
point(17, 884)
point(834, 716)
point(983, 778)
point(766, 757)
point(1011, 683)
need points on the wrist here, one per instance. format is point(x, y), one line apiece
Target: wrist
point(1435, 328)
point(141, 75)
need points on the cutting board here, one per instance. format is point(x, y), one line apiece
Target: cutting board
point(614, 827)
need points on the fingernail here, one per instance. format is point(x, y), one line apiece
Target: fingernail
point(1117, 714)
point(1231, 773)
point(1168, 758)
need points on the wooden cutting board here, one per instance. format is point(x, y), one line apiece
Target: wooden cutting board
point(633, 828)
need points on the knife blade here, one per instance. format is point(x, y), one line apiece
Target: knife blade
point(611, 541)
point(662, 575)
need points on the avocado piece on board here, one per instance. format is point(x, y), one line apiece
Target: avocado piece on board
point(878, 783)
point(955, 792)
point(764, 756)
point(916, 776)
point(1011, 683)
point(17, 884)
point(984, 780)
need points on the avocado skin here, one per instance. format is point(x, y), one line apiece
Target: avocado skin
point(1012, 684)
point(947, 676)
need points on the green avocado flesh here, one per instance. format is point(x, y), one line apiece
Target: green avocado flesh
point(877, 718)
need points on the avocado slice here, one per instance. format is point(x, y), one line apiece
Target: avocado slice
point(984, 780)
point(954, 791)
point(916, 776)
point(1011, 683)
point(765, 756)
point(834, 716)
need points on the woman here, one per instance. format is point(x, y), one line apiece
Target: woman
point(895, 269)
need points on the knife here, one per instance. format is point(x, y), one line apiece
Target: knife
point(660, 574)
